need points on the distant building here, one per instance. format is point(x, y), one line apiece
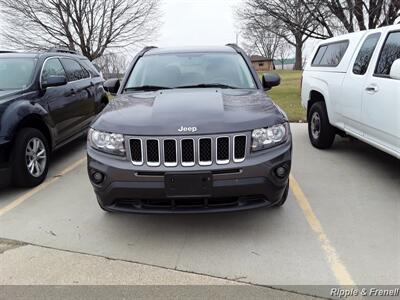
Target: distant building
point(261, 63)
point(286, 64)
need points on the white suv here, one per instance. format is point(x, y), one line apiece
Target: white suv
point(352, 86)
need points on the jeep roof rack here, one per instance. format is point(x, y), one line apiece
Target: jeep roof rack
point(62, 50)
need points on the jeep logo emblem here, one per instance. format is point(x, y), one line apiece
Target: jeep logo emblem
point(187, 129)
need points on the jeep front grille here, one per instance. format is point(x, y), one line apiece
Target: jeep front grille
point(187, 151)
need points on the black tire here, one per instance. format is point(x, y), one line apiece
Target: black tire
point(320, 131)
point(21, 176)
point(284, 197)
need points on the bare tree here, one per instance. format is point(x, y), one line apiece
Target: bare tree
point(258, 40)
point(353, 15)
point(88, 26)
point(288, 19)
point(283, 52)
point(112, 64)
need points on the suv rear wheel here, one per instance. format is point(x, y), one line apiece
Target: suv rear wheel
point(30, 158)
point(321, 132)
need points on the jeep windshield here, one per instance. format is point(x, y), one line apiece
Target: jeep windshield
point(16, 72)
point(190, 70)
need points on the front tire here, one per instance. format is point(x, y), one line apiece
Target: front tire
point(30, 158)
point(320, 131)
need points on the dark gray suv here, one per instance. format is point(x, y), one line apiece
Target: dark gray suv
point(190, 130)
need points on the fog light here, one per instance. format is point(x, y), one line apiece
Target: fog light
point(97, 177)
point(282, 171)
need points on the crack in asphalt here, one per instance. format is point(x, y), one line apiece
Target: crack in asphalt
point(6, 245)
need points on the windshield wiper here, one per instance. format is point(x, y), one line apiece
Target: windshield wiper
point(147, 88)
point(208, 85)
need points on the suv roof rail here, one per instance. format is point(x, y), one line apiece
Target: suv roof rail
point(62, 50)
point(147, 48)
point(7, 51)
point(234, 46)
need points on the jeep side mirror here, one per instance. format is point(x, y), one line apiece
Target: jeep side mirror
point(112, 85)
point(269, 80)
point(53, 81)
point(395, 70)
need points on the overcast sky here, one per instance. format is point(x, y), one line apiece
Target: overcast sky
point(198, 22)
point(201, 22)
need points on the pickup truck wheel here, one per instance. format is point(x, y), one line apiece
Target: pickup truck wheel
point(284, 197)
point(30, 158)
point(321, 132)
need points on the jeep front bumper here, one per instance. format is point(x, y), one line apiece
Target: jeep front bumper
point(253, 183)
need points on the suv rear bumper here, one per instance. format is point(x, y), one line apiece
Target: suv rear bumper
point(247, 185)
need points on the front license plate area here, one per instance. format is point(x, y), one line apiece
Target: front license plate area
point(188, 185)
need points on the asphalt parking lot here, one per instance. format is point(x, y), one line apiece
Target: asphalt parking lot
point(339, 226)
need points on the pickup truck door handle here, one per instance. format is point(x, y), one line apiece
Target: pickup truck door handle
point(372, 89)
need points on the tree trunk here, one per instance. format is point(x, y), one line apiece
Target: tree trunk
point(298, 65)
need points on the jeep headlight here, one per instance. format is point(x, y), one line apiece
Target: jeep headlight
point(112, 143)
point(264, 138)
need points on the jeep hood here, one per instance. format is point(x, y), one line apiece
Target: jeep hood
point(209, 110)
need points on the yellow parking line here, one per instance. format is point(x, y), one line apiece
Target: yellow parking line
point(336, 265)
point(41, 187)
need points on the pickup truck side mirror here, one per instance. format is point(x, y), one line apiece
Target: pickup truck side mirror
point(269, 80)
point(395, 70)
point(112, 85)
point(53, 81)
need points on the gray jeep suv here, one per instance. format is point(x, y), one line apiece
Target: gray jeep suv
point(190, 130)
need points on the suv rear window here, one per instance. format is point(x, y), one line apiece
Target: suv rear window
point(74, 70)
point(330, 55)
point(90, 67)
point(390, 52)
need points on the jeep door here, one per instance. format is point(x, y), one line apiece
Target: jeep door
point(381, 97)
point(82, 90)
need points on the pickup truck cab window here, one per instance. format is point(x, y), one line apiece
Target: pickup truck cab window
point(390, 52)
point(365, 54)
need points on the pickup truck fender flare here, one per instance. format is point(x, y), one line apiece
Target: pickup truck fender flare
point(26, 113)
point(319, 86)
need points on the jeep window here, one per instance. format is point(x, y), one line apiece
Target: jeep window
point(74, 70)
point(364, 56)
point(16, 73)
point(330, 55)
point(191, 69)
point(52, 68)
point(390, 52)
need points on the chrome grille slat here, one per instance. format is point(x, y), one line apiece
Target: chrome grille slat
point(239, 148)
point(170, 153)
point(222, 150)
point(205, 151)
point(153, 152)
point(188, 151)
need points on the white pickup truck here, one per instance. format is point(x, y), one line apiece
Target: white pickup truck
point(352, 86)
